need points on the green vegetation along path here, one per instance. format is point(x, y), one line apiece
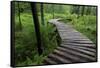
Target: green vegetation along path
point(74, 47)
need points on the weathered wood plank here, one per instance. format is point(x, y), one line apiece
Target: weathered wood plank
point(59, 59)
point(79, 44)
point(50, 61)
point(77, 53)
point(79, 50)
point(86, 48)
point(69, 56)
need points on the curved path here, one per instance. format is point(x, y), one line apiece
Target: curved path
point(74, 47)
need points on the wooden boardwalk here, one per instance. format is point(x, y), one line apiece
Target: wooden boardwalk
point(74, 47)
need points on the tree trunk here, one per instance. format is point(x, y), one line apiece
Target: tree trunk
point(53, 10)
point(88, 10)
point(82, 13)
point(78, 11)
point(20, 24)
point(91, 11)
point(42, 14)
point(37, 27)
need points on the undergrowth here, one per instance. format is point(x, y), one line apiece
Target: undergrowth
point(26, 44)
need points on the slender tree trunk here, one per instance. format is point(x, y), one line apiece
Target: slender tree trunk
point(82, 11)
point(37, 27)
point(73, 9)
point(20, 24)
point(42, 14)
point(53, 10)
point(78, 11)
point(87, 10)
point(91, 11)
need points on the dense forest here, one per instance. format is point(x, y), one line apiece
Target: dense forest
point(81, 17)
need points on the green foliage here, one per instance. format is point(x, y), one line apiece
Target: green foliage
point(87, 25)
point(48, 38)
point(26, 44)
point(23, 7)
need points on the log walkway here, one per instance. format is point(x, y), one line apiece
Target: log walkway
point(74, 47)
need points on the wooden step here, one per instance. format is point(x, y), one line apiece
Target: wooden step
point(59, 59)
point(77, 53)
point(79, 50)
point(84, 48)
point(68, 56)
point(92, 46)
point(88, 49)
point(78, 41)
point(49, 61)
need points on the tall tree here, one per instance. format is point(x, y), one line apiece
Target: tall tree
point(42, 13)
point(78, 11)
point(82, 13)
point(72, 9)
point(88, 10)
point(20, 24)
point(91, 11)
point(75, 9)
point(94, 11)
point(37, 27)
point(53, 10)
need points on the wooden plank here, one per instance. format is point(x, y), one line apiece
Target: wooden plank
point(81, 45)
point(59, 59)
point(87, 49)
point(69, 56)
point(82, 41)
point(80, 50)
point(79, 42)
point(78, 54)
point(50, 61)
